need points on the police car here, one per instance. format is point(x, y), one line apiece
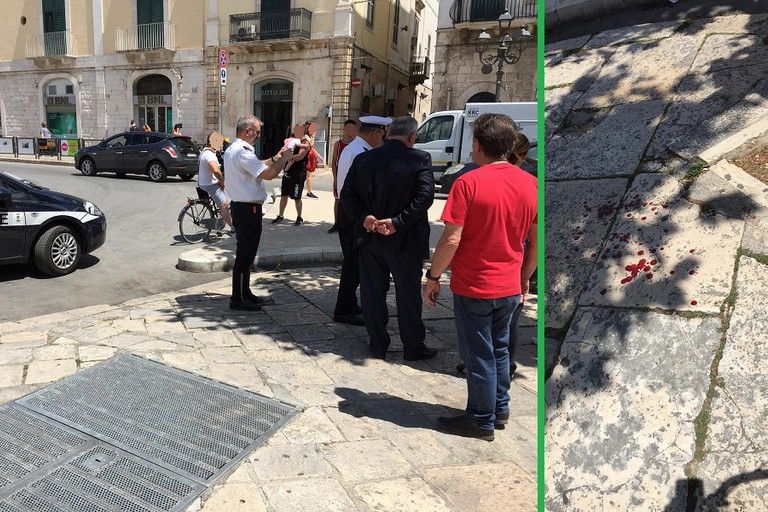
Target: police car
point(51, 228)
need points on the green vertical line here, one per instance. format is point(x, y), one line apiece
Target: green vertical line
point(540, 281)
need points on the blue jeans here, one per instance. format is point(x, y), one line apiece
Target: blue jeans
point(483, 327)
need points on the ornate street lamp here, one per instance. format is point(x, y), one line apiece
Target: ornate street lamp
point(510, 49)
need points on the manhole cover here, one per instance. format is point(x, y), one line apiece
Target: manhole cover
point(193, 426)
point(127, 435)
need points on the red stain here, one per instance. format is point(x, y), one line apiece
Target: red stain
point(576, 237)
point(671, 272)
point(693, 303)
point(692, 251)
point(653, 251)
point(603, 291)
point(640, 253)
point(594, 255)
point(691, 272)
point(643, 218)
point(629, 215)
point(649, 275)
point(647, 268)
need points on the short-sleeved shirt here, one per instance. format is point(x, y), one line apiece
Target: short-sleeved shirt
point(243, 171)
point(357, 146)
point(204, 175)
point(496, 204)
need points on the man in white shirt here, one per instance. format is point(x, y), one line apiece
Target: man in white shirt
point(247, 193)
point(347, 311)
point(210, 177)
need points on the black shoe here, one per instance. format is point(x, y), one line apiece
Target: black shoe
point(310, 194)
point(279, 218)
point(333, 229)
point(501, 420)
point(299, 221)
point(355, 319)
point(260, 301)
point(243, 305)
point(425, 353)
point(463, 426)
point(377, 354)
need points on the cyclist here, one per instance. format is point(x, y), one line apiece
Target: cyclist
point(210, 178)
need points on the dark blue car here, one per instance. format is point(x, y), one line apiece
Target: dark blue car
point(50, 228)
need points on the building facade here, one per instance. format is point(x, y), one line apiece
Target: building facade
point(87, 67)
point(458, 72)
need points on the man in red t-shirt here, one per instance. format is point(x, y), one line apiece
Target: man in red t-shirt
point(490, 214)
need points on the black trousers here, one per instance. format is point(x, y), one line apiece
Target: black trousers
point(377, 262)
point(346, 299)
point(247, 218)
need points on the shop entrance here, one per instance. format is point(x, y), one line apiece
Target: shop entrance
point(273, 104)
point(153, 100)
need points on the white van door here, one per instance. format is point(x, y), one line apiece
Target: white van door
point(438, 136)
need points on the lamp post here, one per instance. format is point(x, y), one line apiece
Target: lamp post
point(510, 49)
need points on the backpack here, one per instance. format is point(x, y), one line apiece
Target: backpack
point(312, 160)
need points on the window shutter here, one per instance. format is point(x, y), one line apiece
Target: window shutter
point(53, 16)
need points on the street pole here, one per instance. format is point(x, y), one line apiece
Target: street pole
point(501, 53)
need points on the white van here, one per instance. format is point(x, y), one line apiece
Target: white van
point(447, 136)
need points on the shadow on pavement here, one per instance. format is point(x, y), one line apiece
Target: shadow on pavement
point(689, 498)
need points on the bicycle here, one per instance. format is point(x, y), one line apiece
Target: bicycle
point(199, 217)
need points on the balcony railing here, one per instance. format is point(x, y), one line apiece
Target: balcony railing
point(463, 11)
point(149, 36)
point(262, 26)
point(50, 44)
point(419, 69)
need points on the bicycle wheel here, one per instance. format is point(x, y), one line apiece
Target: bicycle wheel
point(195, 222)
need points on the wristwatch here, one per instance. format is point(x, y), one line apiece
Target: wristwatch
point(430, 277)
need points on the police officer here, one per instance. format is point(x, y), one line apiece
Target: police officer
point(347, 311)
point(246, 190)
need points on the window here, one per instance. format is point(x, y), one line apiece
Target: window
point(369, 14)
point(52, 90)
point(116, 142)
point(69, 89)
point(437, 128)
point(54, 27)
point(149, 17)
point(396, 23)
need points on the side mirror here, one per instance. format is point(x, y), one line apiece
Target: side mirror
point(5, 199)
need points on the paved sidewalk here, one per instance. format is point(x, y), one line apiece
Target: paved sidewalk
point(365, 438)
point(656, 271)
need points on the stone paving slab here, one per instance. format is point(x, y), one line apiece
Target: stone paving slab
point(663, 253)
point(642, 32)
point(619, 143)
point(578, 70)
point(620, 408)
point(579, 215)
point(642, 72)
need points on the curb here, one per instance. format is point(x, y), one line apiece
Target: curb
point(44, 160)
point(566, 11)
point(215, 259)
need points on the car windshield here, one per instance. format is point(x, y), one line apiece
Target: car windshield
point(21, 180)
point(184, 144)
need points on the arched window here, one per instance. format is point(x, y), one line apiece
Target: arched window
point(154, 100)
point(482, 97)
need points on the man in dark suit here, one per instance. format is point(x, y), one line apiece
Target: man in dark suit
point(387, 194)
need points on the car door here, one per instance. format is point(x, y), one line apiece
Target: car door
point(136, 152)
point(434, 137)
point(110, 158)
point(13, 229)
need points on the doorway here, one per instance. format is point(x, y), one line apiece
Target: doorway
point(273, 104)
point(153, 101)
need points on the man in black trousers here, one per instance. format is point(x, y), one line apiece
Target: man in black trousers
point(387, 194)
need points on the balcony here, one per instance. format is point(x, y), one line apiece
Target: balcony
point(258, 26)
point(419, 70)
point(50, 44)
point(151, 36)
point(468, 11)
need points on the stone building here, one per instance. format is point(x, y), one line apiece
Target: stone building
point(87, 67)
point(458, 77)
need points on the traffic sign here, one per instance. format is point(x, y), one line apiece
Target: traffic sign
point(223, 76)
point(223, 98)
point(357, 82)
point(223, 58)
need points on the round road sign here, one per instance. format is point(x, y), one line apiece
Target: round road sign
point(357, 82)
point(223, 58)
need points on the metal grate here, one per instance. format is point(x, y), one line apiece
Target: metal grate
point(192, 426)
point(104, 479)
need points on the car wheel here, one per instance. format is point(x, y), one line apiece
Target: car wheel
point(88, 167)
point(57, 251)
point(186, 177)
point(157, 172)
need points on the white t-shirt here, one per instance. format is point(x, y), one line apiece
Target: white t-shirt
point(243, 169)
point(354, 148)
point(204, 175)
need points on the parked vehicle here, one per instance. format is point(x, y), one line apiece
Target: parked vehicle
point(447, 179)
point(447, 135)
point(158, 155)
point(50, 228)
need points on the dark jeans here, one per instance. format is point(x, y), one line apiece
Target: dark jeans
point(376, 265)
point(483, 330)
